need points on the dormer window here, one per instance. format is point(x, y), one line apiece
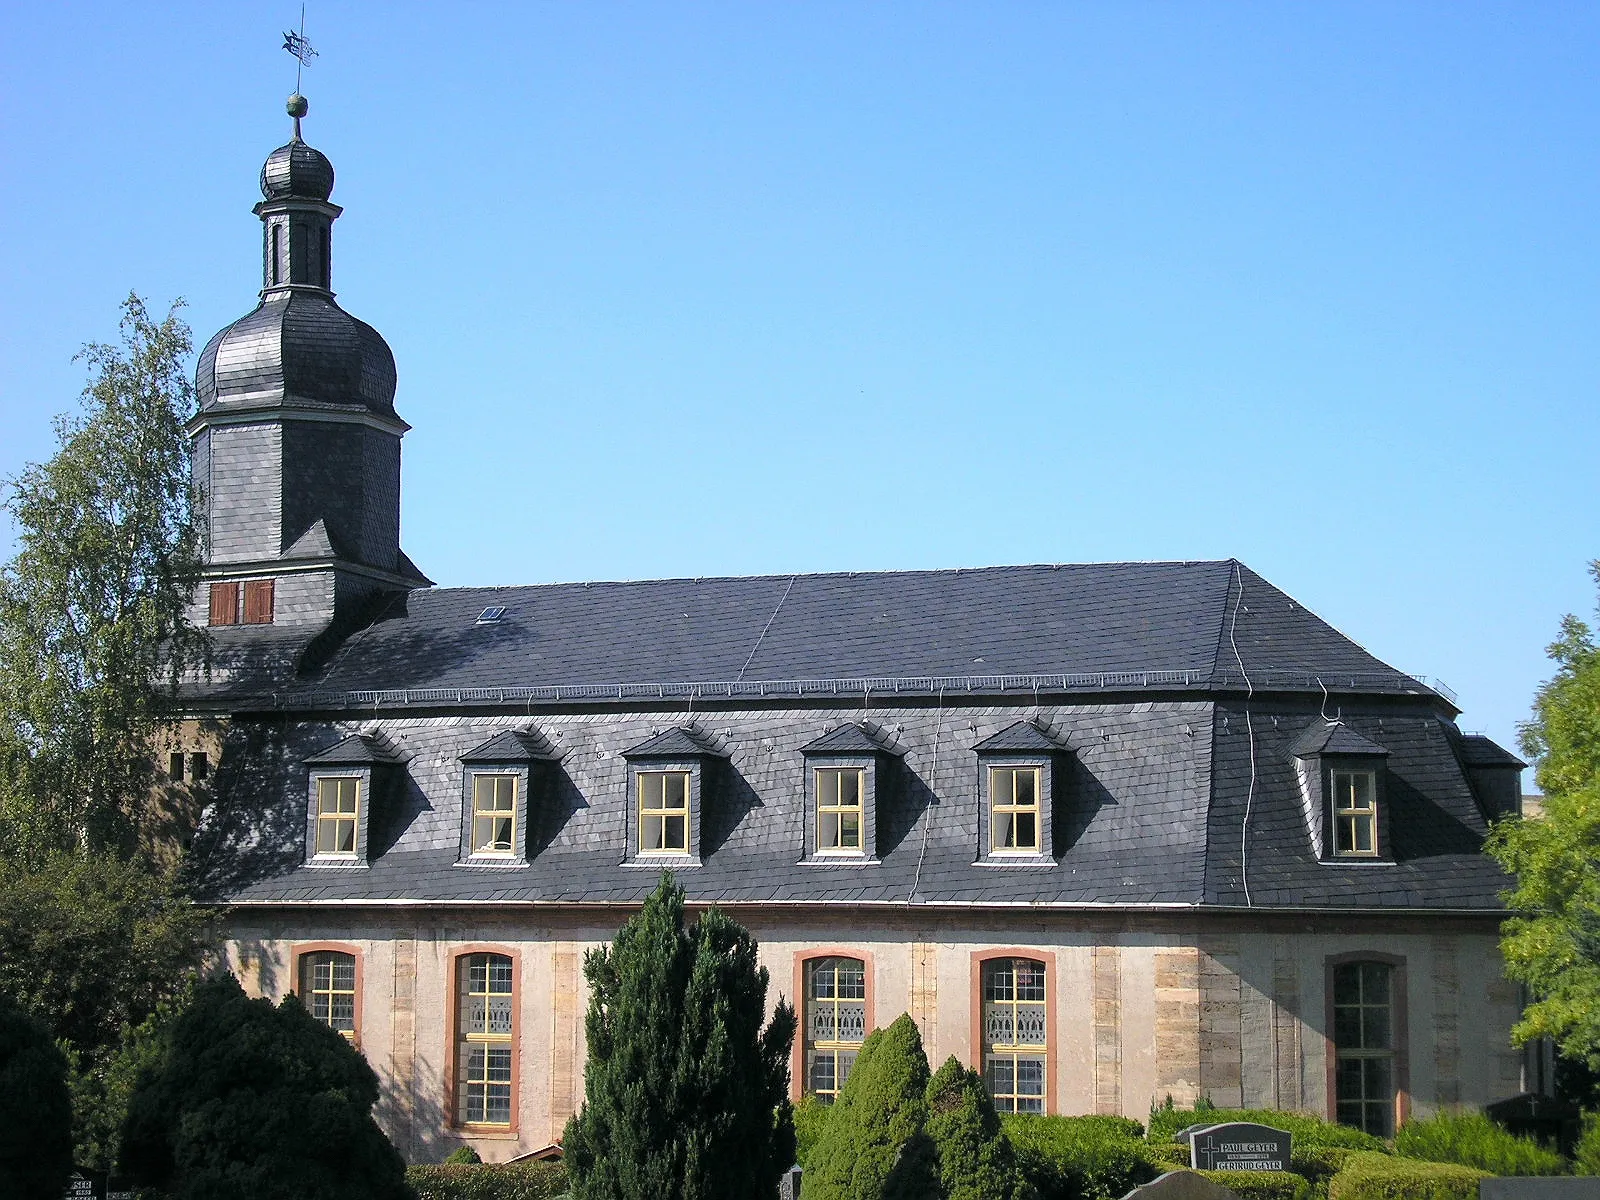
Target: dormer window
point(1014, 808)
point(848, 772)
point(839, 799)
point(342, 782)
point(1018, 768)
point(663, 812)
point(671, 778)
point(494, 814)
point(1341, 774)
point(338, 807)
point(1355, 814)
point(498, 780)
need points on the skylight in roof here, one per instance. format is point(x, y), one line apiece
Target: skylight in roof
point(491, 615)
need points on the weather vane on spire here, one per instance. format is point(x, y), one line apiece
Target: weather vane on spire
point(297, 45)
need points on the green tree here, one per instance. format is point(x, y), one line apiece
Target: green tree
point(92, 627)
point(35, 1110)
point(1552, 944)
point(976, 1160)
point(685, 1091)
point(244, 1099)
point(875, 1145)
point(93, 946)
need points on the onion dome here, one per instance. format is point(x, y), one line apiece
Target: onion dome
point(297, 347)
point(296, 169)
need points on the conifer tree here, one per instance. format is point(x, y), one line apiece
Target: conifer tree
point(876, 1146)
point(976, 1160)
point(686, 1094)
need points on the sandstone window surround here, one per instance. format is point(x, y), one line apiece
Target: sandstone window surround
point(1019, 773)
point(1013, 1032)
point(1367, 1055)
point(672, 778)
point(1343, 788)
point(849, 772)
point(836, 986)
point(501, 779)
point(328, 981)
point(485, 1020)
point(343, 783)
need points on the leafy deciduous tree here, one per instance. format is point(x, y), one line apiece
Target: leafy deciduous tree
point(685, 1091)
point(92, 606)
point(244, 1099)
point(1552, 944)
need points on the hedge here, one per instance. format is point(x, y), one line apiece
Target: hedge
point(810, 1118)
point(1473, 1140)
point(1079, 1158)
point(1386, 1177)
point(475, 1181)
point(1306, 1129)
point(1262, 1185)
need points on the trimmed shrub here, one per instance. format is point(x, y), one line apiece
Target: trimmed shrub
point(1169, 1155)
point(1079, 1158)
point(810, 1119)
point(1473, 1140)
point(246, 1099)
point(35, 1109)
point(1586, 1154)
point(1262, 1185)
point(1387, 1177)
point(462, 1154)
point(976, 1161)
point(477, 1181)
point(1303, 1127)
point(874, 1145)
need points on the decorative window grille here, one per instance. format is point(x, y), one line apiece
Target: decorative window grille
point(486, 1040)
point(836, 1022)
point(1015, 1033)
point(839, 793)
point(664, 812)
point(494, 814)
point(328, 987)
point(1363, 1042)
point(337, 801)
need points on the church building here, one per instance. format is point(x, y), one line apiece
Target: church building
point(1109, 832)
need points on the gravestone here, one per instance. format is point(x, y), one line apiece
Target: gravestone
point(84, 1184)
point(789, 1184)
point(1181, 1185)
point(1239, 1146)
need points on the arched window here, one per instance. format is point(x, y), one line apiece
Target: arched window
point(485, 1039)
point(835, 1022)
point(329, 986)
point(1365, 1080)
point(1015, 1033)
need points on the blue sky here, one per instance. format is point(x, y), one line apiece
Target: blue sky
point(702, 289)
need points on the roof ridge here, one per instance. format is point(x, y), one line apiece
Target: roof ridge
point(785, 575)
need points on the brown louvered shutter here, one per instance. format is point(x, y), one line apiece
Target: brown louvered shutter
point(258, 602)
point(224, 603)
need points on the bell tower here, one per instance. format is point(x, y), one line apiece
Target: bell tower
point(296, 445)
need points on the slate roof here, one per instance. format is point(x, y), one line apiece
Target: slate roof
point(1333, 737)
point(677, 742)
point(359, 749)
point(1094, 627)
point(1480, 751)
point(851, 738)
point(509, 746)
point(1023, 737)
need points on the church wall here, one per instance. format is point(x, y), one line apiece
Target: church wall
point(1142, 1006)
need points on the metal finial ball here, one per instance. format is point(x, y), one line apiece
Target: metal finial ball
point(297, 106)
